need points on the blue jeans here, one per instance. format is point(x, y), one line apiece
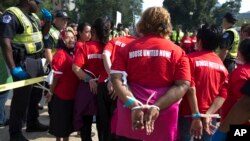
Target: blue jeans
point(3, 99)
point(184, 127)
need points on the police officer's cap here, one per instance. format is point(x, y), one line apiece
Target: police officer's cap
point(61, 14)
point(230, 17)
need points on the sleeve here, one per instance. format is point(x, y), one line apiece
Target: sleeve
point(227, 40)
point(246, 88)
point(109, 46)
point(224, 88)
point(59, 63)
point(48, 42)
point(238, 80)
point(183, 69)
point(81, 56)
point(121, 59)
point(8, 25)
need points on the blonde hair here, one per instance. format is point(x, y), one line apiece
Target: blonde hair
point(155, 20)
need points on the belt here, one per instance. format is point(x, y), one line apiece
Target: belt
point(35, 55)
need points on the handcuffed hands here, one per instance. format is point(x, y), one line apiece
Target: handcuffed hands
point(144, 118)
point(196, 128)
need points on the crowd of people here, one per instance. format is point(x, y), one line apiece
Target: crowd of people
point(162, 84)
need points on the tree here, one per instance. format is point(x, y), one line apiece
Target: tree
point(190, 13)
point(229, 6)
point(7, 3)
point(89, 10)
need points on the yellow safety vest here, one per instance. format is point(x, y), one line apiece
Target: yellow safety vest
point(233, 52)
point(174, 36)
point(29, 37)
point(54, 33)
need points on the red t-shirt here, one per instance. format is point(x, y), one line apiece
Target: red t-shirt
point(112, 47)
point(193, 40)
point(79, 44)
point(152, 61)
point(68, 81)
point(89, 57)
point(209, 77)
point(236, 81)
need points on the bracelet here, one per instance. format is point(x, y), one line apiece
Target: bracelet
point(128, 103)
point(87, 78)
point(196, 115)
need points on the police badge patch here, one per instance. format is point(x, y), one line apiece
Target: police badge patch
point(6, 18)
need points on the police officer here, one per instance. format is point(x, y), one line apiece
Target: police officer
point(230, 42)
point(21, 42)
point(50, 40)
point(177, 35)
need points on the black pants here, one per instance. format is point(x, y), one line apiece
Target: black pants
point(25, 100)
point(106, 107)
point(87, 127)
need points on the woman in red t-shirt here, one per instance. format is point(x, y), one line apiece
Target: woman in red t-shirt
point(208, 89)
point(236, 110)
point(150, 70)
point(63, 87)
point(237, 79)
point(88, 65)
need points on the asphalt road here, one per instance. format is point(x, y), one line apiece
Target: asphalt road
point(39, 136)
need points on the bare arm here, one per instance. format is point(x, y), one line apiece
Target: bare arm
point(7, 52)
point(79, 72)
point(192, 99)
point(216, 105)
point(49, 55)
point(174, 94)
point(53, 85)
point(106, 60)
point(223, 54)
point(121, 90)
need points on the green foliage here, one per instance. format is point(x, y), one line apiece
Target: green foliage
point(190, 13)
point(89, 10)
point(7, 3)
point(229, 6)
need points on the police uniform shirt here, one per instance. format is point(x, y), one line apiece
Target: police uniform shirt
point(227, 40)
point(10, 26)
point(48, 41)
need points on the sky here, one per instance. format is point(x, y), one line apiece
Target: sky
point(149, 3)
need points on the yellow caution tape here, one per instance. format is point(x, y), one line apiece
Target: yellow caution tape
point(21, 83)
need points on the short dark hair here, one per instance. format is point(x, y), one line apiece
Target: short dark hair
point(210, 36)
point(244, 49)
point(230, 17)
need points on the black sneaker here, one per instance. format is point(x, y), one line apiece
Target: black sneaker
point(37, 127)
point(18, 137)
